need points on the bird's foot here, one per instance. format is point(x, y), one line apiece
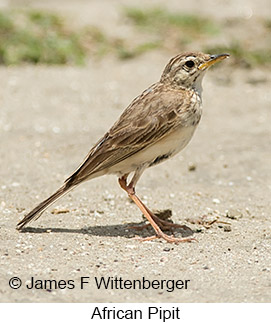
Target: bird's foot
point(163, 224)
point(166, 237)
point(166, 225)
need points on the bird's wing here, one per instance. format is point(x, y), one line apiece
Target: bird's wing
point(150, 117)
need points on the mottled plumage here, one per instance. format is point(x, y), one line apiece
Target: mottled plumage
point(154, 127)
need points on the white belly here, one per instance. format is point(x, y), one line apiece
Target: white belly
point(170, 145)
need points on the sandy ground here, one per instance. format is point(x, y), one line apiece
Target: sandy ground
point(50, 117)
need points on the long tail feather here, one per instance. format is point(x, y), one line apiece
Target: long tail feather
point(39, 209)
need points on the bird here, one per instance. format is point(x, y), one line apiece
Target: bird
point(156, 125)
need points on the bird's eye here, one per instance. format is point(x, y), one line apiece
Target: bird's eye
point(189, 64)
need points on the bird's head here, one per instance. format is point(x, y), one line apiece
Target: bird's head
point(186, 70)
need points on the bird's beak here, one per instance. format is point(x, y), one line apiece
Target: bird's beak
point(213, 59)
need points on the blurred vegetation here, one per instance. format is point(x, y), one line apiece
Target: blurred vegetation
point(161, 20)
point(99, 45)
point(180, 30)
point(31, 36)
point(267, 23)
point(171, 31)
point(124, 52)
point(241, 55)
point(40, 37)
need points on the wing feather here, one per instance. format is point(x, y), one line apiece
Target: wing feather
point(149, 118)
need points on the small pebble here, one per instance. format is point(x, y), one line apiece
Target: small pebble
point(164, 259)
point(234, 214)
point(20, 209)
point(216, 201)
point(166, 249)
point(97, 214)
point(15, 184)
point(227, 228)
point(192, 167)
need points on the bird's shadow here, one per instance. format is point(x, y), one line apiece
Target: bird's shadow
point(119, 230)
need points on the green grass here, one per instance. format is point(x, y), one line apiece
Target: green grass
point(267, 23)
point(41, 37)
point(38, 37)
point(124, 52)
point(170, 30)
point(160, 19)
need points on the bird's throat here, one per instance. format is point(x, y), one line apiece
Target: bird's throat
point(197, 85)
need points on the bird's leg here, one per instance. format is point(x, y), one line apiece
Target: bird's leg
point(163, 224)
point(130, 189)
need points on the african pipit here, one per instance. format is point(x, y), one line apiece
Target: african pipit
point(154, 127)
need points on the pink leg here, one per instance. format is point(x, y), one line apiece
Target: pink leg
point(149, 215)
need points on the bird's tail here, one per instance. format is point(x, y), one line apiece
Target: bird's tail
point(39, 209)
